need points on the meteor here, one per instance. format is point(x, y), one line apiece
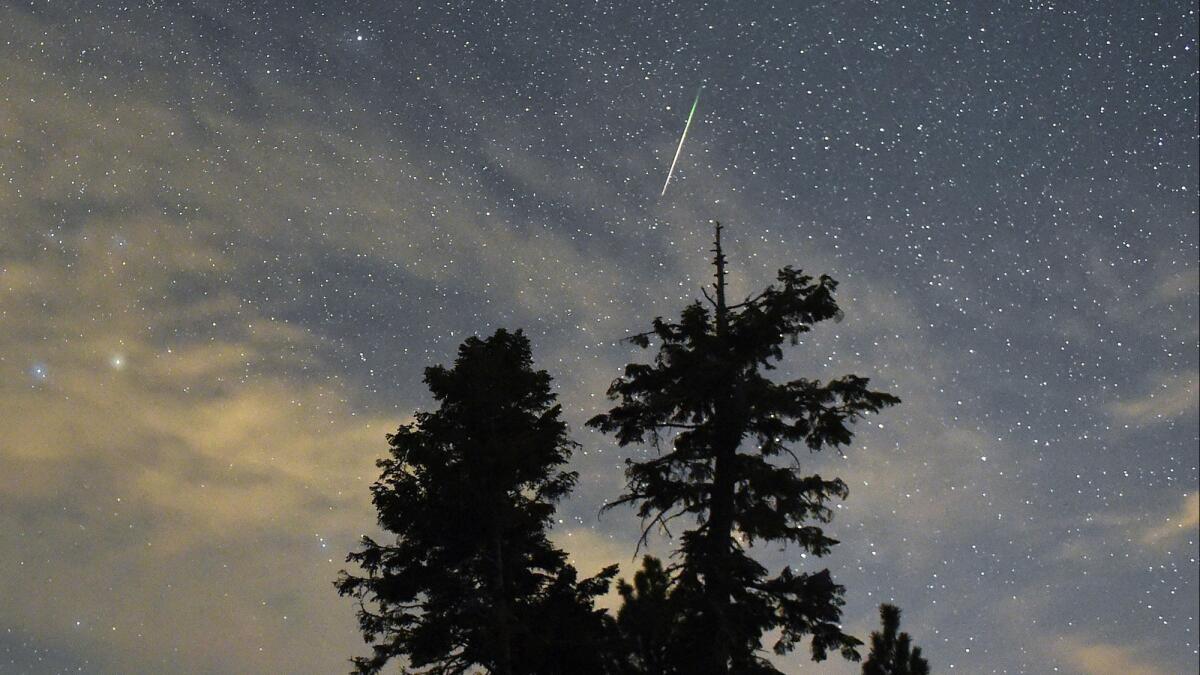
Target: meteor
point(679, 149)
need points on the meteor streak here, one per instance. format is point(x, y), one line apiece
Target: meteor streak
point(679, 149)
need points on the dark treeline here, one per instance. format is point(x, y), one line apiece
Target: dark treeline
point(471, 582)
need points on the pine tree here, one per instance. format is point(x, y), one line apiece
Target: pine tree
point(471, 580)
point(707, 392)
point(893, 654)
point(646, 619)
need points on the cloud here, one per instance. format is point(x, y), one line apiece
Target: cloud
point(1184, 522)
point(1178, 286)
point(1099, 658)
point(1173, 396)
point(186, 505)
point(147, 538)
point(1108, 535)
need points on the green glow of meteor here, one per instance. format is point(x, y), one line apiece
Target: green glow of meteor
point(679, 149)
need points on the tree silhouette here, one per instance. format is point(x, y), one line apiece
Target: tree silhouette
point(707, 392)
point(646, 619)
point(471, 579)
point(893, 654)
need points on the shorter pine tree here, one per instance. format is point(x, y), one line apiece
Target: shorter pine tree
point(471, 580)
point(646, 620)
point(892, 653)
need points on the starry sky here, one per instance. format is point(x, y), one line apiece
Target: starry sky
point(233, 234)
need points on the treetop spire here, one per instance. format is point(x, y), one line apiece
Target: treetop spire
point(719, 286)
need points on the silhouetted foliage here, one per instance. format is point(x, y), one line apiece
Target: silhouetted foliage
point(893, 654)
point(566, 634)
point(471, 581)
point(646, 619)
point(707, 392)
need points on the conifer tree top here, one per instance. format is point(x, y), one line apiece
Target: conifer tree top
point(725, 432)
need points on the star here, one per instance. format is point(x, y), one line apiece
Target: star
point(39, 372)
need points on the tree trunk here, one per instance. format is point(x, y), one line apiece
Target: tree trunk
point(717, 582)
point(502, 618)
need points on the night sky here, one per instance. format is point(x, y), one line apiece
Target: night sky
point(233, 235)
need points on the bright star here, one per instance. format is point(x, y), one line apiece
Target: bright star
point(39, 372)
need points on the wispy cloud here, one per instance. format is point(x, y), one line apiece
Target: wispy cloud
point(1182, 523)
point(1087, 657)
point(1172, 396)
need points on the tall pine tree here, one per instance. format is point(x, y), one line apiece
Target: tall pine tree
point(471, 580)
point(730, 428)
point(892, 653)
